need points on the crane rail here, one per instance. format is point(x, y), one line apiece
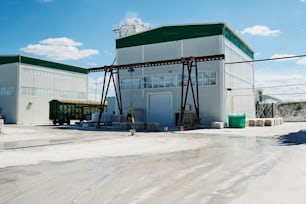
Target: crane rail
point(182, 60)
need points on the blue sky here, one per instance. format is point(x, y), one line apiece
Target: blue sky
point(79, 32)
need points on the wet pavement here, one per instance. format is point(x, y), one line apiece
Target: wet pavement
point(213, 174)
point(18, 137)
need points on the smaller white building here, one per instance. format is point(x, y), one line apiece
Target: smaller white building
point(28, 84)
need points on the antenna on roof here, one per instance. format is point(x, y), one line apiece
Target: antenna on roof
point(130, 26)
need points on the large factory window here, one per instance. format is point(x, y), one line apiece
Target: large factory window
point(168, 81)
point(52, 93)
point(7, 91)
point(52, 74)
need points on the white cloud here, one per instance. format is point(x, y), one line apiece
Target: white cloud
point(131, 24)
point(60, 41)
point(302, 61)
point(132, 18)
point(260, 30)
point(59, 49)
point(302, 0)
point(286, 56)
point(135, 21)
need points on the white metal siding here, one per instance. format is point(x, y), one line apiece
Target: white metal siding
point(170, 50)
point(34, 109)
point(129, 55)
point(202, 46)
point(8, 78)
point(240, 79)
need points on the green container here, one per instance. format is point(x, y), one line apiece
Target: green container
point(236, 120)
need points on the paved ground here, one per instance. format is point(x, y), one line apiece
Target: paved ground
point(42, 164)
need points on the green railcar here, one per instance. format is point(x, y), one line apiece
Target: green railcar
point(63, 111)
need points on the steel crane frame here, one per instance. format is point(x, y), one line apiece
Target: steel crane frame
point(188, 64)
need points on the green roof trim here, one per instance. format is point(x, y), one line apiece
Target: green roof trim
point(8, 59)
point(231, 36)
point(169, 33)
point(43, 63)
point(181, 32)
point(55, 65)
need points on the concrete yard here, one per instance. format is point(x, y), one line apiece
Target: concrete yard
point(46, 164)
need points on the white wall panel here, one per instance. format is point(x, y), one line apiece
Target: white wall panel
point(202, 46)
point(8, 104)
point(239, 77)
point(129, 55)
point(162, 51)
point(44, 84)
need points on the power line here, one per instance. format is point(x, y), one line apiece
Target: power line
point(273, 94)
point(267, 59)
point(183, 60)
point(266, 87)
point(283, 94)
point(278, 86)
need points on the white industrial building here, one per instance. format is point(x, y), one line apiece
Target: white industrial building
point(28, 84)
point(224, 87)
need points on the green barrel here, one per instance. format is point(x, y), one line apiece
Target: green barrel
point(236, 120)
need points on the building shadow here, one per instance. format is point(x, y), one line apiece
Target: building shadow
point(296, 138)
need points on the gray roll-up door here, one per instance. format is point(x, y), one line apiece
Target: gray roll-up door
point(160, 109)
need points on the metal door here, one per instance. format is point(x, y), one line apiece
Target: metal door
point(160, 109)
